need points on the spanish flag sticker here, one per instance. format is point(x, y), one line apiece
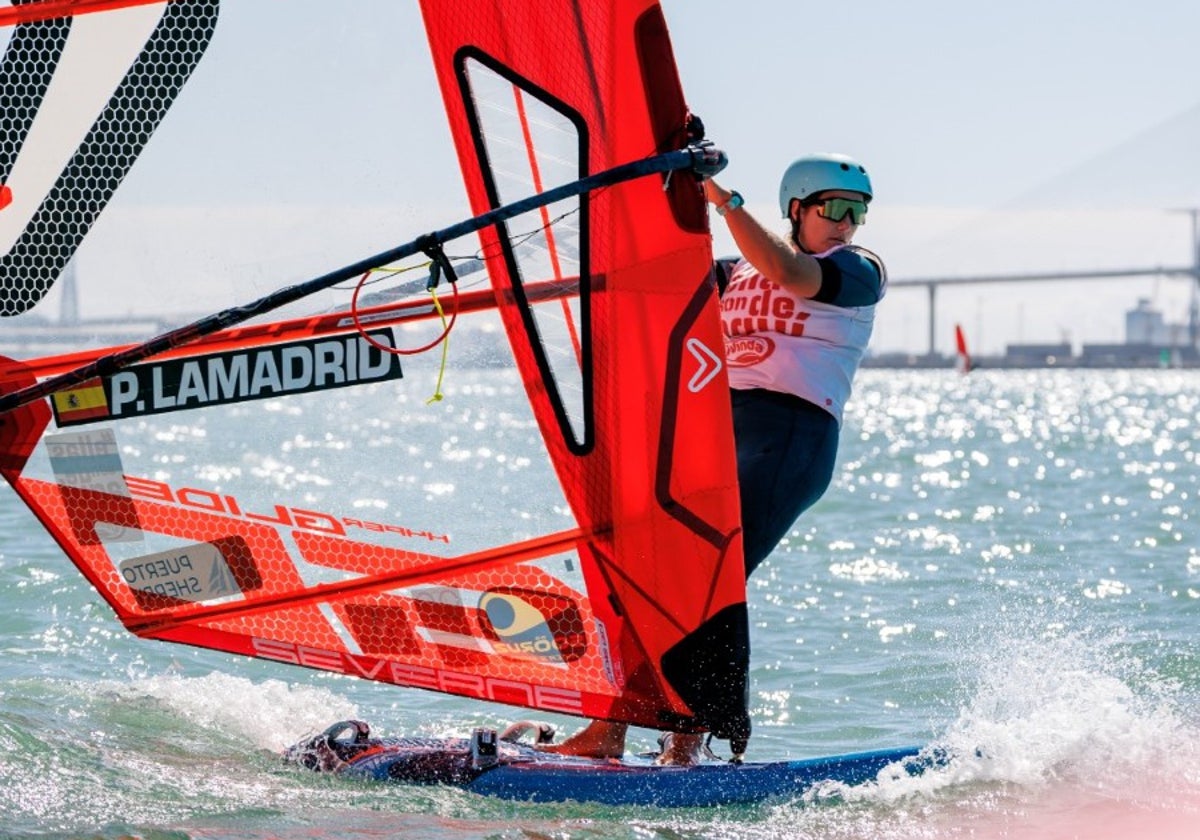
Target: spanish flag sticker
point(81, 404)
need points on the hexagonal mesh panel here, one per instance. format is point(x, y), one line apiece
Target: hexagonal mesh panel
point(61, 172)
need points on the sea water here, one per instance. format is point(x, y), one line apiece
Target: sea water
point(1006, 568)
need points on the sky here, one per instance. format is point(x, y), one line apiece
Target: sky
point(1001, 137)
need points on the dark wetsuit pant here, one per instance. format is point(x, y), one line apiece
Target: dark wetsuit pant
point(786, 448)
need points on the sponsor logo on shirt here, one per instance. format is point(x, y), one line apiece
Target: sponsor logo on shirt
point(747, 350)
point(753, 304)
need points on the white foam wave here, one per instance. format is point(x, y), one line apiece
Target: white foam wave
point(1065, 712)
point(270, 714)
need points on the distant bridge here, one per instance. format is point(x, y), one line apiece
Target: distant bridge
point(1192, 270)
point(932, 284)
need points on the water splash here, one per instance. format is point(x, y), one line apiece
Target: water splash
point(271, 714)
point(1056, 730)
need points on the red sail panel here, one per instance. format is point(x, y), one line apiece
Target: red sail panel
point(489, 624)
point(638, 426)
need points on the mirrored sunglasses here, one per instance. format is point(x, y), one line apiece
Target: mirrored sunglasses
point(835, 209)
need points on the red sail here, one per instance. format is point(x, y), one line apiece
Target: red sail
point(645, 453)
point(962, 357)
point(561, 531)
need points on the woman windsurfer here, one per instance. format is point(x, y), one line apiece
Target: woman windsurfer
point(797, 315)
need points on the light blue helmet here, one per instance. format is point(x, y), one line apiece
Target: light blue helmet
point(816, 173)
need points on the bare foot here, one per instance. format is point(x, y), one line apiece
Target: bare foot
point(599, 739)
point(680, 749)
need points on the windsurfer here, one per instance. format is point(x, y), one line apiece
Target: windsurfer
point(797, 315)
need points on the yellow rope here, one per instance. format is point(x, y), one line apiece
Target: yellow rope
point(437, 304)
point(437, 391)
point(392, 270)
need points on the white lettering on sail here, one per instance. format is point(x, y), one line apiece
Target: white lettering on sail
point(124, 391)
point(230, 376)
point(367, 370)
point(191, 385)
point(330, 367)
point(258, 373)
point(297, 368)
point(549, 698)
point(160, 399)
point(266, 375)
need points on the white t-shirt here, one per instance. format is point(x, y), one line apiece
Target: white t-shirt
point(810, 347)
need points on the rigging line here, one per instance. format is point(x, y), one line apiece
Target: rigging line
point(521, 238)
point(551, 246)
point(385, 272)
point(702, 159)
point(410, 286)
point(532, 549)
point(409, 351)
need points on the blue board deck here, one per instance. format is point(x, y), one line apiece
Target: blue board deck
point(518, 771)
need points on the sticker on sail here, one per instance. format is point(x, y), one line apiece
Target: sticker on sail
point(91, 461)
point(254, 373)
point(197, 572)
point(84, 403)
point(540, 625)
